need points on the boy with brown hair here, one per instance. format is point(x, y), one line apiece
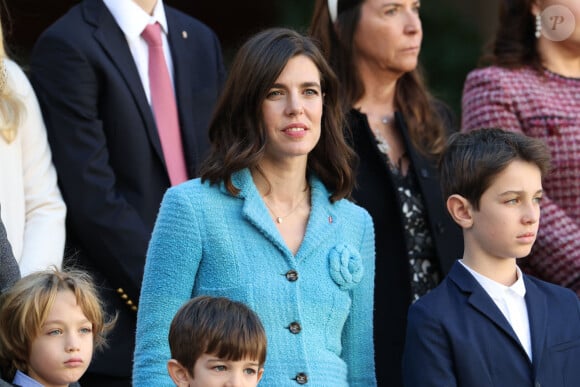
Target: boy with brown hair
point(487, 323)
point(216, 342)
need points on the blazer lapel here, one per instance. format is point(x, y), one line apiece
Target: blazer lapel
point(481, 301)
point(113, 42)
point(537, 315)
point(256, 211)
point(428, 181)
point(322, 216)
point(322, 221)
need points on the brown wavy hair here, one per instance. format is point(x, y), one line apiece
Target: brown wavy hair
point(412, 98)
point(237, 133)
point(514, 44)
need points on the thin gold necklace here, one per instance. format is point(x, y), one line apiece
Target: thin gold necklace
point(280, 219)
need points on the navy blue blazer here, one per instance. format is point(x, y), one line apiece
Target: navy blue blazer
point(457, 336)
point(106, 149)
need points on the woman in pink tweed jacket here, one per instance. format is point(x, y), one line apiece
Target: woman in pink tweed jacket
point(533, 86)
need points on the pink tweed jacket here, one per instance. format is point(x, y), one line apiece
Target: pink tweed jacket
point(546, 106)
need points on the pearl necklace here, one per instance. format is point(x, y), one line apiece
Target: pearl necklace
point(280, 219)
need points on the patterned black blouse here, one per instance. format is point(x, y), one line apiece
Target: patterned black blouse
point(423, 269)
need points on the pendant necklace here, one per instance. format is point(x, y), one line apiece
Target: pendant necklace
point(382, 143)
point(280, 219)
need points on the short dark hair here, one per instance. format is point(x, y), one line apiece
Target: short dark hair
point(472, 160)
point(219, 326)
point(237, 133)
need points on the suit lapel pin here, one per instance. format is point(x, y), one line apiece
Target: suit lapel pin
point(184, 34)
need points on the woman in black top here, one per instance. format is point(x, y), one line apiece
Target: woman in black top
point(398, 132)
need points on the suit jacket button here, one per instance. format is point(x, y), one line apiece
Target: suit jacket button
point(292, 275)
point(120, 291)
point(294, 328)
point(424, 173)
point(301, 378)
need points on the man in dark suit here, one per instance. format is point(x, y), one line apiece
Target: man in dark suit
point(90, 72)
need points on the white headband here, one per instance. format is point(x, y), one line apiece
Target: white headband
point(333, 9)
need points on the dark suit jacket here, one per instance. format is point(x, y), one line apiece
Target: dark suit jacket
point(457, 336)
point(9, 271)
point(106, 148)
point(376, 192)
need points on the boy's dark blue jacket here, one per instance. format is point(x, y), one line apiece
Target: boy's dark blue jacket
point(457, 336)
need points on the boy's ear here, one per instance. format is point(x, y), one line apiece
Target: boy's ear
point(260, 373)
point(178, 373)
point(460, 210)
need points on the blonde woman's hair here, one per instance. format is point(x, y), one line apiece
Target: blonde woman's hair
point(25, 307)
point(11, 107)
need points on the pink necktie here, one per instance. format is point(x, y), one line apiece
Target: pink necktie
point(164, 106)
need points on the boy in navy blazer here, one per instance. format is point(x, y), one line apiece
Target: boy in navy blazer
point(488, 324)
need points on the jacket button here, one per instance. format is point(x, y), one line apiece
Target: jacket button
point(120, 291)
point(301, 378)
point(294, 328)
point(424, 173)
point(440, 227)
point(292, 275)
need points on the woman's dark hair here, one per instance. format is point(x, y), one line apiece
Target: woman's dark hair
point(412, 98)
point(514, 44)
point(237, 133)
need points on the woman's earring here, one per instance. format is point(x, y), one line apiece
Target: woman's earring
point(538, 26)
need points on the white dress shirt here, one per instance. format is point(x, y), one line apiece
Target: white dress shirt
point(511, 302)
point(132, 19)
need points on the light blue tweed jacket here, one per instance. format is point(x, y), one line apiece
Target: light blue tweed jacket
point(207, 241)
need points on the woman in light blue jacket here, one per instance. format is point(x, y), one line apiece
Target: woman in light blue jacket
point(269, 224)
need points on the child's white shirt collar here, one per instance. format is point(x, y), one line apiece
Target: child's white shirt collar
point(511, 302)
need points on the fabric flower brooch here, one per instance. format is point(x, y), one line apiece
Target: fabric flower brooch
point(346, 267)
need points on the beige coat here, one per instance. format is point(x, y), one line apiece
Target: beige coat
point(33, 210)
